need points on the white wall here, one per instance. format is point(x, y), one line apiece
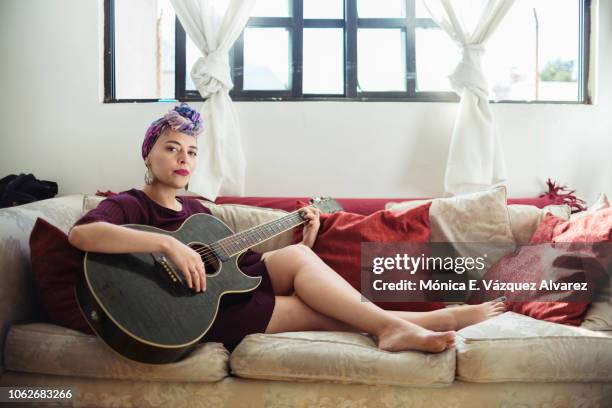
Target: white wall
point(55, 126)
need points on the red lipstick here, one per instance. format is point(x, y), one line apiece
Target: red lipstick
point(182, 172)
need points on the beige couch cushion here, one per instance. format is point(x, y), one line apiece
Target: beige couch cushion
point(49, 349)
point(514, 347)
point(598, 316)
point(338, 357)
point(475, 224)
point(524, 219)
point(242, 217)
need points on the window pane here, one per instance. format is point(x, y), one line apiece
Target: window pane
point(436, 57)
point(324, 9)
point(266, 59)
point(271, 8)
point(323, 61)
point(144, 58)
point(420, 10)
point(191, 56)
point(381, 60)
point(512, 69)
point(381, 8)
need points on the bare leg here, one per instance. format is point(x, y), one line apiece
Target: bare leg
point(297, 268)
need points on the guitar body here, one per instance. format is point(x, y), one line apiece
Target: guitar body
point(143, 309)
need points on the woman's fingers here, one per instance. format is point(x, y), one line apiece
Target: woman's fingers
point(187, 274)
point(198, 273)
point(202, 273)
point(196, 278)
point(311, 214)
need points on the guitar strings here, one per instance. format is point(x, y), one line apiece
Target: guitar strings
point(209, 254)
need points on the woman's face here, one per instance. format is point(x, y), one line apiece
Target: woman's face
point(171, 152)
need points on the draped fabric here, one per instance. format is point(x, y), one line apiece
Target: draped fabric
point(475, 157)
point(213, 26)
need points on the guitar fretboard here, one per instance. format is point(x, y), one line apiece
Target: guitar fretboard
point(243, 240)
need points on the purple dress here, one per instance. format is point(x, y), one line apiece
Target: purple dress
point(239, 314)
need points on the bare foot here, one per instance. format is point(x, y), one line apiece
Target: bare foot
point(453, 318)
point(467, 315)
point(408, 336)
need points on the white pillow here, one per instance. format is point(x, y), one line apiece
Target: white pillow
point(598, 316)
point(524, 219)
point(601, 202)
point(469, 222)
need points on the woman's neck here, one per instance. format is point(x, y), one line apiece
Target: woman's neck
point(163, 195)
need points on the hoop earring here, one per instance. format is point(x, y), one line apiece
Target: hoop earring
point(148, 177)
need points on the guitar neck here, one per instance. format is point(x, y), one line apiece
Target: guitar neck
point(244, 240)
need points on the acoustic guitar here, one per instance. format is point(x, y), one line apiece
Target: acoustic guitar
point(141, 306)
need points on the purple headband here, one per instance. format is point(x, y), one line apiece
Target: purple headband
point(182, 119)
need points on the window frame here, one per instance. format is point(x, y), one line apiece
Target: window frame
point(351, 23)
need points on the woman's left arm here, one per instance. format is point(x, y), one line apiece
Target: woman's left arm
point(311, 228)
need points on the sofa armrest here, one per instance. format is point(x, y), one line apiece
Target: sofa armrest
point(17, 292)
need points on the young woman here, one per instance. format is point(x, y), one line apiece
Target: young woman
point(298, 290)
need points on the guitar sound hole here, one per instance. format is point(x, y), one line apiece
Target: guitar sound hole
point(211, 263)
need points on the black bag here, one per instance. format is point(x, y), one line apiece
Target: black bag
point(24, 188)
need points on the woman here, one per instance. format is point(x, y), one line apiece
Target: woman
point(298, 290)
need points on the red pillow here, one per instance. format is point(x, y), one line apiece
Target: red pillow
point(579, 262)
point(339, 240)
point(57, 265)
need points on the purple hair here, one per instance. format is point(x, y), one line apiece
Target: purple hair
point(181, 118)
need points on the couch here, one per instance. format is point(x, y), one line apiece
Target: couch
point(511, 360)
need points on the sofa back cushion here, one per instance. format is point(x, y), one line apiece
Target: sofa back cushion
point(242, 217)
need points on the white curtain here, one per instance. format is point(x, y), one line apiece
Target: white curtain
point(214, 26)
point(475, 156)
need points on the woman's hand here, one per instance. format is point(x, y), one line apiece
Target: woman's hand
point(189, 261)
point(311, 228)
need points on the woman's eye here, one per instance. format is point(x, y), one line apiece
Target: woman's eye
point(171, 148)
point(193, 153)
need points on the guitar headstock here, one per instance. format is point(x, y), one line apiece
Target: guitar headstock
point(326, 205)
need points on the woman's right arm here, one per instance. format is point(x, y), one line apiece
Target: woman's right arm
point(106, 237)
point(110, 238)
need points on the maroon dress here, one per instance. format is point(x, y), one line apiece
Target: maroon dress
point(239, 314)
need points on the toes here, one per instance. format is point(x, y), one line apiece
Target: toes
point(449, 336)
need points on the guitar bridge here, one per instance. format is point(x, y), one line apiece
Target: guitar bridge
point(168, 267)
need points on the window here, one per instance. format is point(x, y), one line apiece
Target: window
point(350, 50)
